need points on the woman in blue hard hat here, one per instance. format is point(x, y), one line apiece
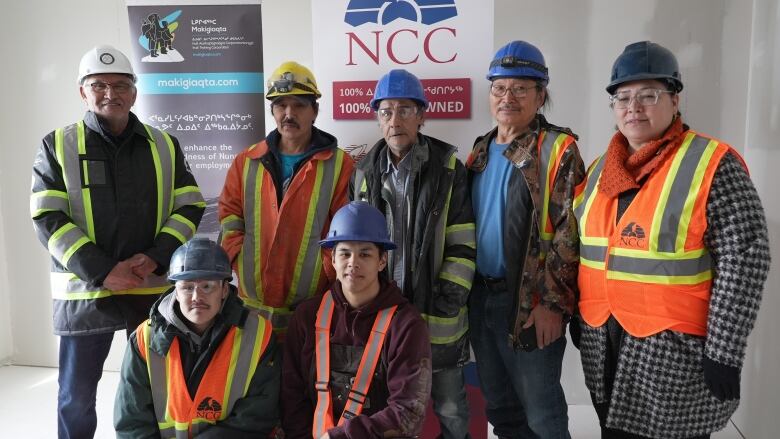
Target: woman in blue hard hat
point(357, 358)
point(523, 177)
point(202, 365)
point(674, 255)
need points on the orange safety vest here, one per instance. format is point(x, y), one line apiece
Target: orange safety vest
point(278, 259)
point(651, 270)
point(323, 412)
point(225, 381)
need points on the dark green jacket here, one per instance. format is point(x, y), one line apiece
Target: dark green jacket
point(254, 415)
point(441, 243)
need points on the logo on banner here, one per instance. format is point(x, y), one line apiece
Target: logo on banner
point(157, 36)
point(386, 11)
point(404, 45)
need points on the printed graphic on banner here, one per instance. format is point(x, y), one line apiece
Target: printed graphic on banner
point(447, 44)
point(447, 99)
point(200, 78)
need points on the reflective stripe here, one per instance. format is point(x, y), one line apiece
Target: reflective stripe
point(549, 154)
point(250, 272)
point(444, 330)
point(65, 241)
point(590, 190)
point(458, 270)
point(67, 286)
point(656, 267)
point(439, 238)
point(161, 148)
point(279, 317)
point(69, 147)
point(308, 266)
point(365, 372)
point(360, 188)
point(461, 234)
point(248, 344)
point(680, 194)
point(323, 413)
point(48, 201)
point(187, 196)
point(593, 252)
point(180, 227)
point(231, 223)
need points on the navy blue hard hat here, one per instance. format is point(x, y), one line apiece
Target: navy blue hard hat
point(200, 259)
point(358, 221)
point(645, 60)
point(518, 59)
point(398, 84)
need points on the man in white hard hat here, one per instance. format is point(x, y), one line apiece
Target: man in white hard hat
point(112, 199)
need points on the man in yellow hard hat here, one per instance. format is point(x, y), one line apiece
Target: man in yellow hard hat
point(278, 200)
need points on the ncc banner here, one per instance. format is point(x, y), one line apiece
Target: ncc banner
point(200, 78)
point(448, 44)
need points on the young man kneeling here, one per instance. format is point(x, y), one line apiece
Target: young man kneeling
point(358, 358)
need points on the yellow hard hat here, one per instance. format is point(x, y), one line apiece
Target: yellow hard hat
point(291, 78)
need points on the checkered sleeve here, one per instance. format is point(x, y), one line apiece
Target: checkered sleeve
point(738, 242)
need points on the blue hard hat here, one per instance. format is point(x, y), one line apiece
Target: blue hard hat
point(645, 60)
point(200, 259)
point(518, 59)
point(358, 221)
point(398, 84)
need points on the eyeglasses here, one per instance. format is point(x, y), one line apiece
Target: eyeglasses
point(403, 112)
point(645, 97)
point(205, 287)
point(102, 87)
point(517, 91)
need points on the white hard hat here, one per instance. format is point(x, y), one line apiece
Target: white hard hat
point(104, 59)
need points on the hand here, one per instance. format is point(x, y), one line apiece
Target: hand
point(549, 325)
point(143, 265)
point(122, 277)
point(722, 380)
point(325, 436)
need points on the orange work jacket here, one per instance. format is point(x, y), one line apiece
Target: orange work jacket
point(275, 247)
point(651, 270)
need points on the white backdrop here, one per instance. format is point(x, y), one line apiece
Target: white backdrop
point(730, 57)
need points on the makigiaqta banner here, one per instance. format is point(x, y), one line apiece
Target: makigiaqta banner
point(200, 78)
point(447, 44)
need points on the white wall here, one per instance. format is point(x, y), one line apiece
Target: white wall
point(730, 59)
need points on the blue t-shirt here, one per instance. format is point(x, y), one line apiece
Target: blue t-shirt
point(289, 162)
point(488, 196)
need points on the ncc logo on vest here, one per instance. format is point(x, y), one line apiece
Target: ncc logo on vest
point(405, 45)
point(209, 409)
point(633, 235)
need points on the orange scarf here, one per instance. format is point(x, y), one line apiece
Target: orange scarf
point(624, 171)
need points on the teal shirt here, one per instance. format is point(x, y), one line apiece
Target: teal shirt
point(488, 197)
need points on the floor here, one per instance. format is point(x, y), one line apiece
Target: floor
point(29, 401)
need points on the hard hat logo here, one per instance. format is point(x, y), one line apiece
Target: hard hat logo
point(107, 59)
point(104, 59)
